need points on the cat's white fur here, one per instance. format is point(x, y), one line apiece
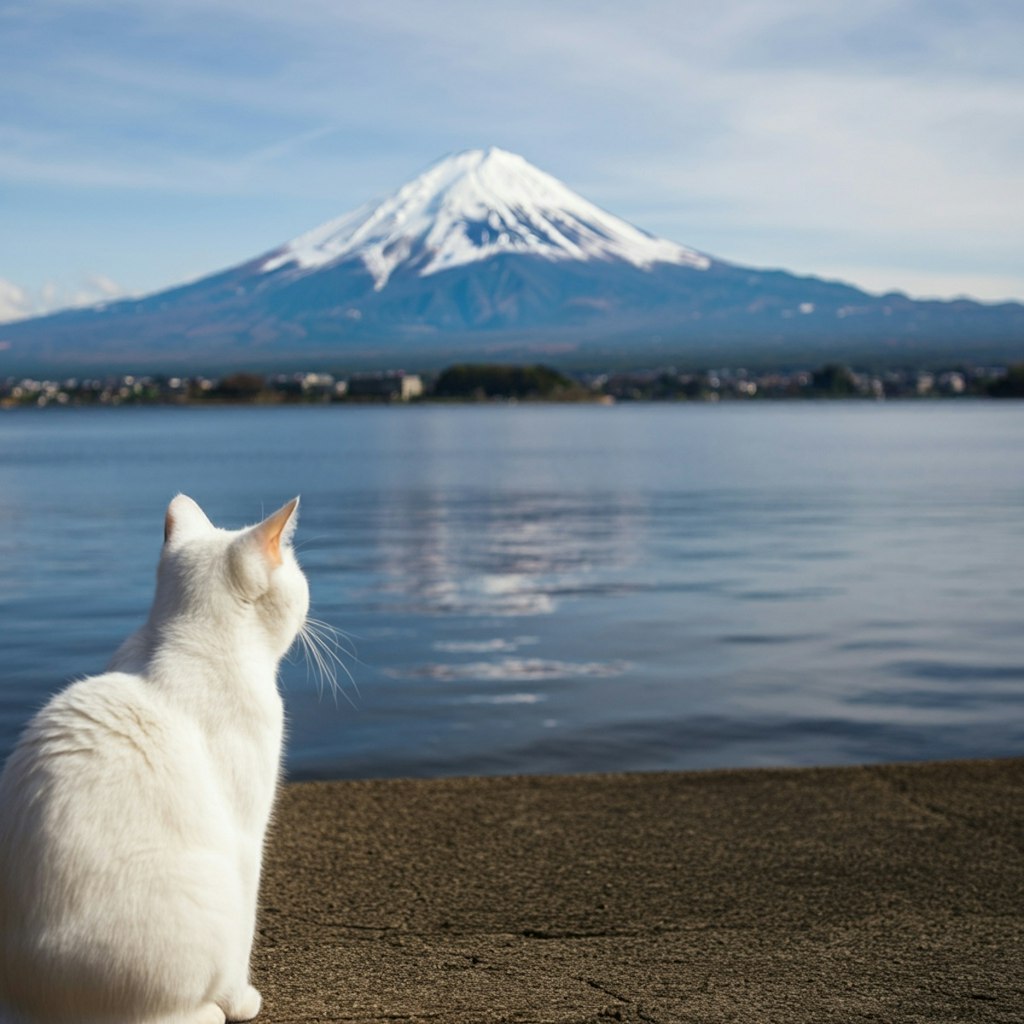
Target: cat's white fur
point(134, 808)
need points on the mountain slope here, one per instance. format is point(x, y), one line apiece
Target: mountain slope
point(469, 208)
point(483, 253)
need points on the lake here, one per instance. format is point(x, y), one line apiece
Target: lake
point(557, 589)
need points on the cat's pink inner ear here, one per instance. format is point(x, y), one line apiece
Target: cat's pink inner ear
point(272, 530)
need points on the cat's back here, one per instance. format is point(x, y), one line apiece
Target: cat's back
point(114, 719)
point(106, 773)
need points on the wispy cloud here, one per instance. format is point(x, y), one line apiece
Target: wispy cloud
point(17, 303)
point(792, 132)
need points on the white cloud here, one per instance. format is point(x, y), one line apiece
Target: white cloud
point(18, 303)
point(931, 284)
point(14, 302)
point(103, 287)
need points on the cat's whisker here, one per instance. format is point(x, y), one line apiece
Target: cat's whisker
point(323, 656)
point(307, 657)
point(331, 653)
point(307, 542)
point(315, 662)
point(328, 637)
point(325, 672)
point(335, 636)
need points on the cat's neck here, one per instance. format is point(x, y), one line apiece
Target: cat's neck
point(220, 656)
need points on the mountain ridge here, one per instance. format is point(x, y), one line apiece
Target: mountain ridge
point(484, 253)
point(471, 206)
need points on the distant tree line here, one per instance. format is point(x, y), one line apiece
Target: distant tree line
point(481, 381)
point(1011, 385)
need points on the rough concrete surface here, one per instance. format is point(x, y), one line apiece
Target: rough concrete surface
point(882, 893)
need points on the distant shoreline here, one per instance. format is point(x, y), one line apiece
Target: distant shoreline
point(469, 403)
point(496, 403)
point(481, 383)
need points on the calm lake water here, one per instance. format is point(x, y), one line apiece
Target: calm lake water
point(539, 589)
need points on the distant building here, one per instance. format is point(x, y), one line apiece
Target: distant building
point(953, 383)
point(412, 386)
point(397, 386)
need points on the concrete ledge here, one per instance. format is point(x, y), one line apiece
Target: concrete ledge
point(886, 893)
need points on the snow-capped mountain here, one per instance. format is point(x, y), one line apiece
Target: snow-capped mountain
point(470, 207)
point(485, 256)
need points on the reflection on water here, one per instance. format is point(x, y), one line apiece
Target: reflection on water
point(442, 553)
point(512, 670)
point(544, 589)
point(483, 646)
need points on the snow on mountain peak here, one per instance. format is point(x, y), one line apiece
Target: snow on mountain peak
point(469, 207)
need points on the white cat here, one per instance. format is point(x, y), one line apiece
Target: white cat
point(133, 809)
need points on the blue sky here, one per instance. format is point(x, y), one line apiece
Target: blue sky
point(877, 141)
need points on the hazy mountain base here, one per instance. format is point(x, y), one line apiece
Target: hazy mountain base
point(510, 309)
point(344, 354)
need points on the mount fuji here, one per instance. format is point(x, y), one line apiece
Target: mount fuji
point(470, 208)
point(484, 255)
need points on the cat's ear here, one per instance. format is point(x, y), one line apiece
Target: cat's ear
point(184, 517)
point(275, 530)
point(257, 552)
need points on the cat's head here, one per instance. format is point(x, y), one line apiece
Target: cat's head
point(245, 579)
